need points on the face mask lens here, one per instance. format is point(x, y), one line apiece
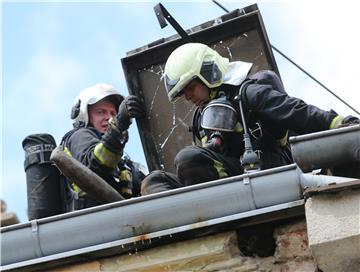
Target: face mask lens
point(219, 116)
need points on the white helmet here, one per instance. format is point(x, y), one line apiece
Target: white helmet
point(190, 61)
point(90, 96)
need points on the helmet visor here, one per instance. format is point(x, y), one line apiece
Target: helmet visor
point(175, 87)
point(170, 83)
point(220, 117)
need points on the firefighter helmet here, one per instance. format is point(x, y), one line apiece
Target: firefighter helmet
point(90, 96)
point(190, 61)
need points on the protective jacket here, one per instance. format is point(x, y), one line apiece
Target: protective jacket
point(270, 115)
point(80, 143)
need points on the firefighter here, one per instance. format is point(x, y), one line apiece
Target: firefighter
point(101, 119)
point(230, 102)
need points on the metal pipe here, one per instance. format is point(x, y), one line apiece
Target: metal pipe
point(161, 211)
point(327, 148)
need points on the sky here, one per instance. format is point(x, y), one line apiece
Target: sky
point(50, 51)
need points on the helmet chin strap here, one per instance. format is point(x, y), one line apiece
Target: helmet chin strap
point(78, 124)
point(212, 93)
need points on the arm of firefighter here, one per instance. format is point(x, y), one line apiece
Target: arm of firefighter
point(289, 112)
point(86, 179)
point(110, 149)
point(340, 121)
point(130, 107)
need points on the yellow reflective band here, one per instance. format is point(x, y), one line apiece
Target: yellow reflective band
point(67, 152)
point(238, 128)
point(204, 141)
point(212, 94)
point(82, 193)
point(220, 169)
point(283, 141)
point(125, 175)
point(105, 156)
point(126, 190)
point(336, 122)
point(75, 187)
point(78, 190)
point(126, 179)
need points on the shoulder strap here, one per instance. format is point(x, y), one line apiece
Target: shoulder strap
point(242, 98)
point(68, 135)
point(194, 127)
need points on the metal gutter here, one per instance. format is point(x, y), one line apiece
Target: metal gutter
point(154, 213)
point(327, 149)
point(133, 244)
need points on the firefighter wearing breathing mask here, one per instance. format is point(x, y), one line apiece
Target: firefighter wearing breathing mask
point(230, 102)
point(101, 119)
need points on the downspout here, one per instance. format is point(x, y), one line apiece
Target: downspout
point(161, 211)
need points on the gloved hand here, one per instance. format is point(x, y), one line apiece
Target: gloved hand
point(114, 138)
point(350, 120)
point(130, 107)
point(339, 121)
point(110, 149)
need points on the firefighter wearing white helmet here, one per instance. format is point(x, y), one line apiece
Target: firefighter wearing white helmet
point(90, 96)
point(219, 89)
point(101, 119)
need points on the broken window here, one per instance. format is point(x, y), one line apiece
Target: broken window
point(165, 130)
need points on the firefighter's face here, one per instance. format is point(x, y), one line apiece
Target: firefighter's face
point(196, 92)
point(100, 113)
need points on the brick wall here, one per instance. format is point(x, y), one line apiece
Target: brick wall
point(218, 252)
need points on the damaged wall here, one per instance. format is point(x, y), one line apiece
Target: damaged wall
point(219, 252)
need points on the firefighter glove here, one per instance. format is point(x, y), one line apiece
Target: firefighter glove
point(130, 107)
point(115, 139)
point(339, 121)
point(350, 120)
point(110, 149)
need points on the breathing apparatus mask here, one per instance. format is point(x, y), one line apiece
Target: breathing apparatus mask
point(219, 116)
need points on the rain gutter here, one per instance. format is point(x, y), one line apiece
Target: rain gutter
point(92, 228)
point(134, 244)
